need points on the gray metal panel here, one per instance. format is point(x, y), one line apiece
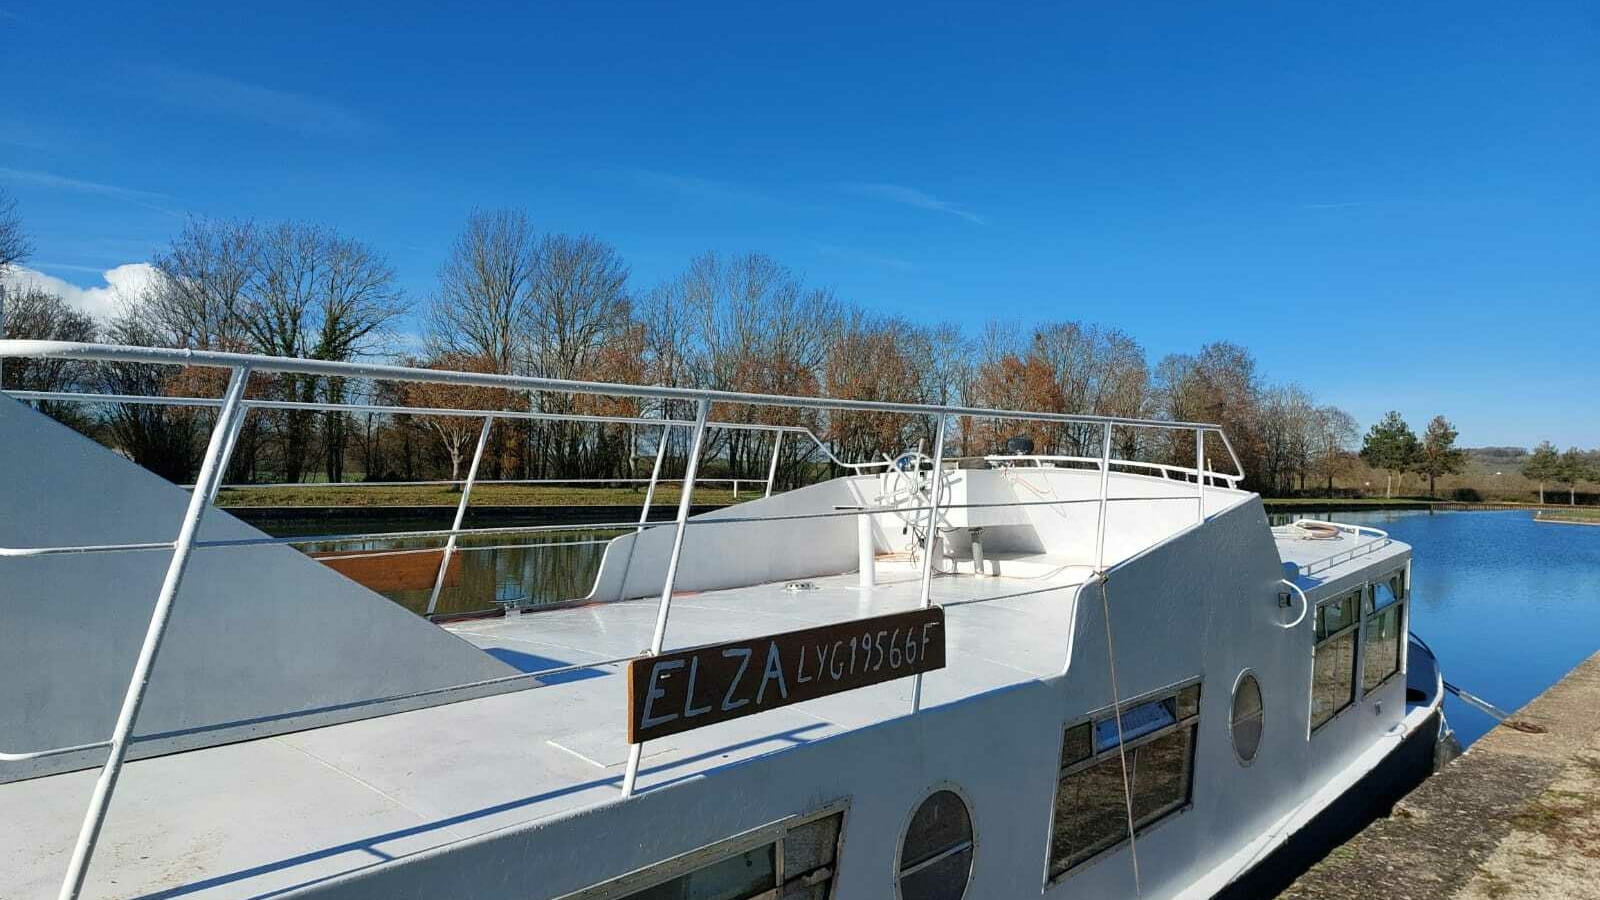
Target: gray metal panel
point(258, 632)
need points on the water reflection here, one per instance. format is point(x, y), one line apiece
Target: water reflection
point(497, 570)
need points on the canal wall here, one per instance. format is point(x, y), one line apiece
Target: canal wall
point(1516, 816)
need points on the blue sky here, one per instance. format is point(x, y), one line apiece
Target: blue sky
point(1394, 204)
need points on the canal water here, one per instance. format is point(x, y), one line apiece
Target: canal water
point(1508, 604)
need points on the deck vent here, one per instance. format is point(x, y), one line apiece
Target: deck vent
point(795, 587)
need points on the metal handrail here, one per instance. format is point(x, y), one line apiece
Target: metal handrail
point(256, 363)
point(1164, 468)
point(389, 409)
point(233, 406)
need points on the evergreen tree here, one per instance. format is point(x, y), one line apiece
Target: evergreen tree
point(1391, 445)
point(1543, 465)
point(1438, 454)
point(1574, 467)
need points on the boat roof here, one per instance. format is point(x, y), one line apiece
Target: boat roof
point(265, 815)
point(1320, 552)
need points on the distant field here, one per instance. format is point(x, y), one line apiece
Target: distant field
point(482, 495)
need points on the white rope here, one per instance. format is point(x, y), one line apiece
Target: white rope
point(1012, 475)
point(1122, 751)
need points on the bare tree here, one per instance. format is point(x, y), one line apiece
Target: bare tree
point(164, 439)
point(357, 300)
point(35, 314)
point(1219, 386)
point(204, 282)
point(455, 433)
point(485, 289)
point(578, 306)
point(14, 244)
point(1334, 433)
point(1286, 421)
point(315, 293)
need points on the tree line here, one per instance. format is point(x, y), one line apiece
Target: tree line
point(512, 299)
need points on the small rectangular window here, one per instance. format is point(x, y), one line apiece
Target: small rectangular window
point(746, 875)
point(808, 852)
point(1334, 616)
point(1333, 666)
point(1382, 640)
point(1091, 814)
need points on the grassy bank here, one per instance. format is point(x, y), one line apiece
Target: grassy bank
point(1579, 515)
point(482, 495)
point(1291, 503)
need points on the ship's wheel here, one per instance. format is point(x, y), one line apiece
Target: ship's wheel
point(907, 493)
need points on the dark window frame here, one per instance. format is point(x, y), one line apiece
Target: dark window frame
point(773, 833)
point(1402, 607)
point(1359, 594)
point(1151, 820)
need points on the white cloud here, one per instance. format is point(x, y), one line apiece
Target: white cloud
point(225, 96)
point(63, 183)
point(910, 196)
point(100, 301)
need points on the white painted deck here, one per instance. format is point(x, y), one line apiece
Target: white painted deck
point(1332, 557)
point(255, 818)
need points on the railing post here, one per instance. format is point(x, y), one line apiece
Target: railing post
point(1105, 492)
point(655, 475)
point(227, 451)
point(932, 544)
point(139, 681)
point(644, 513)
point(685, 503)
point(461, 514)
point(1200, 471)
point(772, 468)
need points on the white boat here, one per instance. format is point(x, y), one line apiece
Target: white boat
point(1010, 676)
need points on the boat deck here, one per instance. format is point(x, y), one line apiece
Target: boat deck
point(263, 816)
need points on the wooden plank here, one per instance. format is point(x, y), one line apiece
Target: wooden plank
point(393, 571)
point(700, 686)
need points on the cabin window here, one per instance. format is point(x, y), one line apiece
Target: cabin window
point(1091, 814)
point(1333, 669)
point(936, 853)
point(799, 856)
point(1383, 642)
point(1245, 726)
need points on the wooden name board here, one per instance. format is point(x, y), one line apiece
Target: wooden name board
point(688, 689)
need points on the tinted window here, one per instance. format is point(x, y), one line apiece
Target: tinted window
point(1333, 677)
point(1246, 722)
point(1337, 614)
point(809, 851)
point(1381, 658)
point(936, 853)
point(736, 878)
point(1091, 811)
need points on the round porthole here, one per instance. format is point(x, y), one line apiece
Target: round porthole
point(1245, 726)
point(936, 853)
